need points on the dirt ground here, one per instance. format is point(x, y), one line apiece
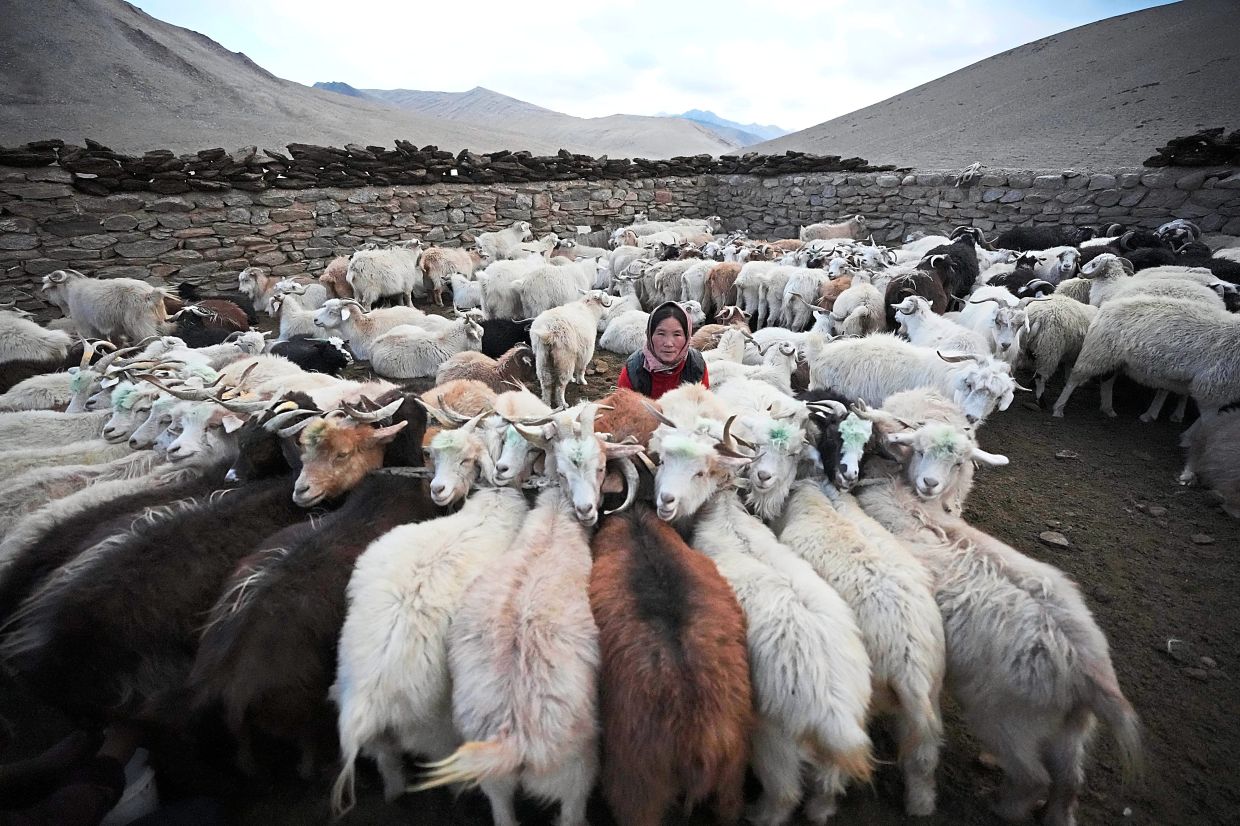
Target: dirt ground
point(1155, 561)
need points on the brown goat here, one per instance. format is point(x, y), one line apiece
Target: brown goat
point(439, 263)
point(831, 290)
point(788, 244)
point(338, 451)
point(720, 288)
point(628, 418)
point(675, 699)
point(707, 338)
point(928, 285)
point(333, 278)
point(468, 397)
point(517, 365)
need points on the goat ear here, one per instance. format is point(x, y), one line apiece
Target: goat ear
point(232, 423)
point(383, 435)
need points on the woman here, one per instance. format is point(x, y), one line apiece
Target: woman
point(667, 361)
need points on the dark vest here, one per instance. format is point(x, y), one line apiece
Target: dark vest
point(639, 376)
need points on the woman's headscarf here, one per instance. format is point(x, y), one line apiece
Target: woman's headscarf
point(668, 309)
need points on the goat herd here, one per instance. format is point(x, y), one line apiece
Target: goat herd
point(206, 529)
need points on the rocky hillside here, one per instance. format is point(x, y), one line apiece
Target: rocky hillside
point(1107, 93)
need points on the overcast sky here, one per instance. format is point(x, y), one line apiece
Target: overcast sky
point(790, 63)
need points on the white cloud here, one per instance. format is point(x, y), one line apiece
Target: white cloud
point(777, 61)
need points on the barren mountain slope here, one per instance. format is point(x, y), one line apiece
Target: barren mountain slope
point(104, 69)
point(1107, 93)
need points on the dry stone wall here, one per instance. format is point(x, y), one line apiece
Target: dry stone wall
point(896, 204)
point(208, 237)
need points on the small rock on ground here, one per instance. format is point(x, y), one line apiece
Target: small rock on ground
point(1202, 539)
point(1055, 538)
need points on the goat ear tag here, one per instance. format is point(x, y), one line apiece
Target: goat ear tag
point(345, 313)
point(231, 423)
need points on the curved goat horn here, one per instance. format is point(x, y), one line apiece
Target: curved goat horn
point(187, 394)
point(382, 413)
point(955, 359)
point(993, 298)
point(629, 471)
point(658, 414)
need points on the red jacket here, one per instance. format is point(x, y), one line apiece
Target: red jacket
point(660, 383)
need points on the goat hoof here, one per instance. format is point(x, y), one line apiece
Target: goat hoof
point(1186, 478)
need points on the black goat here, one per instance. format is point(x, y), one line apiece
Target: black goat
point(65, 539)
point(268, 657)
point(314, 354)
point(499, 335)
point(956, 264)
point(1023, 239)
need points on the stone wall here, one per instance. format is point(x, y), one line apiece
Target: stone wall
point(207, 237)
point(896, 204)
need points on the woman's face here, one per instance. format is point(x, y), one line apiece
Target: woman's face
point(668, 340)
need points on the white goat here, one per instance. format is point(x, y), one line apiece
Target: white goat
point(121, 310)
point(408, 352)
point(1057, 328)
point(926, 328)
point(524, 656)
point(810, 671)
point(875, 367)
point(394, 271)
point(892, 597)
point(1027, 664)
point(1166, 343)
point(392, 686)
point(501, 244)
point(563, 343)
point(359, 329)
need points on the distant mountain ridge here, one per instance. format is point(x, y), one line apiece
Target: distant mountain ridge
point(613, 135)
point(764, 132)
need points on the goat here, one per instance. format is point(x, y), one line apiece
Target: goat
point(1026, 662)
point(1022, 239)
point(1210, 458)
point(1166, 343)
point(406, 351)
point(925, 329)
point(128, 610)
point(892, 598)
point(497, 245)
point(334, 278)
point(385, 708)
point(360, 328)
point(675, 702)
point(812, 687)
point(439, 264)
point(523, 651)
point(875, 367)
point(853, 227)
point(707, 337)
point(918, 283)
point(122, 310)
point(267, 656)
point(516, 365)
point(316, 355)
point(376, 273)
point(563, 343)
point(27, 349)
